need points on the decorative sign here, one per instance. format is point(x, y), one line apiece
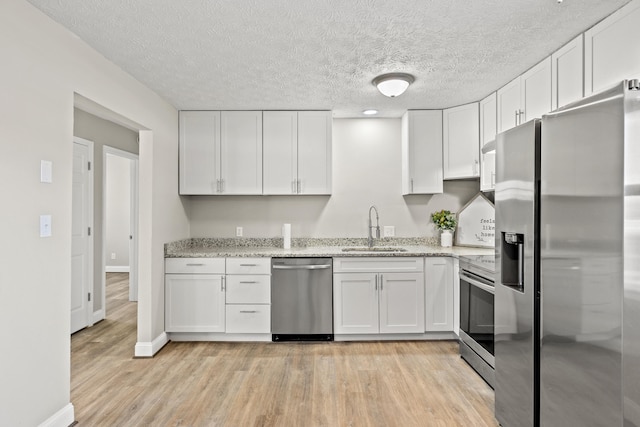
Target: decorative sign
point(477, 223)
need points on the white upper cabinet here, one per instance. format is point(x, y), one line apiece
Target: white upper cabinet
point(488, 128)
point(567, 80)
point(422, 152)
point(199, 152)
point(526, 97)
point(314, 152)
point(220, 152)
point(461, 142)
point(611, 49)
point(297, 152)
point(241, 152)
point(280, 151)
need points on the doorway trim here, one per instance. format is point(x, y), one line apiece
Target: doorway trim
point(133, 222)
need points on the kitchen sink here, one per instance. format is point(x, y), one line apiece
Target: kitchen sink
point(374, 249)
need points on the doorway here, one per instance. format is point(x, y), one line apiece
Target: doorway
point(120, 217)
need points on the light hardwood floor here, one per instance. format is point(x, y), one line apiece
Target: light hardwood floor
point(265, 384)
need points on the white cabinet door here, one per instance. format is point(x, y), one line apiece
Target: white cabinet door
point(461, 141)
point(509, 105)
point(314, 152)
point(488, 128)
point(439, 285)
point(241, 152)
point(194, 303)
point(199, 152)
point(611, 52)
point(567, 81)
point(280, 152)
point(535, 91)
point(401, 302)
point(355, 303)
point(422, 152)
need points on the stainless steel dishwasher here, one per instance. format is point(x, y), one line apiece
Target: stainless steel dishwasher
point(302, 299)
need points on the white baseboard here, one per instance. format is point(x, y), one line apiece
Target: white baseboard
point(116, 269)
point(63, 418)
point(98, 316)
point(149, 349)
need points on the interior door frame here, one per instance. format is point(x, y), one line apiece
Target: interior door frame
point(133, 222)
point(88, 286)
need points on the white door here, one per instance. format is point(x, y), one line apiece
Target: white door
point(401, 302)
point(509, 105)
point(133, 230)
point(355, 303)
point(194, 303)
point(81, 240)
point(241, 152)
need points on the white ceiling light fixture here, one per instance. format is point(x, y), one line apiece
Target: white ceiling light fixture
point(393, 84)
point(370, 112)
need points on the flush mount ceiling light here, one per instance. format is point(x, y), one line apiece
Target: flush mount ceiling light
point(393, 84)
point(370, 112)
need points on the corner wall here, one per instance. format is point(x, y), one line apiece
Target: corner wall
point(43, 65)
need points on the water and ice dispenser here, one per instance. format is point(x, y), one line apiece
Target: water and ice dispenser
point(512, 260)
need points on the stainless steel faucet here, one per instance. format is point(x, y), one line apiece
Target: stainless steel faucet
point(371, 227)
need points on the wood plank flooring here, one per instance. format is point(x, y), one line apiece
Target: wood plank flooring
point(266, 384)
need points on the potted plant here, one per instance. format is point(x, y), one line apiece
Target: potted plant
point(446, 222)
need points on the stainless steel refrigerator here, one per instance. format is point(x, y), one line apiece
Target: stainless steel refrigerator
point(567, 296)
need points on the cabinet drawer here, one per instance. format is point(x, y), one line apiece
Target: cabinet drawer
point(378, 265)
point(248, 265)
point(194, 265)
point(248, 319)
point(249, 289)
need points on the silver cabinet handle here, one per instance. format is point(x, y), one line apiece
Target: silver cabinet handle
point(301, 267)
point(222, 279)
point(493, 179)
point(194, 264)
point(412, 185)
point(517, 115)
point(376, 283)
point(381, 282)
point(248, 281)
point(248, 311)
point(248, 265)
point(217, 185)
point(477, 284)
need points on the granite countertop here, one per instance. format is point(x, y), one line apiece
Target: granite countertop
point(247, 247)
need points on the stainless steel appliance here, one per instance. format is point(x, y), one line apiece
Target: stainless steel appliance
point(302, 299)
point(567, 297)
point(476, 313)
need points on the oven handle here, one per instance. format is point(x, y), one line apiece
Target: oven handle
point(476, 283)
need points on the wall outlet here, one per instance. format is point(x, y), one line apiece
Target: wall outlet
point(238, 231)
point(113, 255)
point(389, 231)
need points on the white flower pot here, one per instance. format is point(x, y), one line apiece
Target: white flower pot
point(446, 238)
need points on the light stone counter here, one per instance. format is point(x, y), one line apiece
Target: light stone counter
point(247, 247)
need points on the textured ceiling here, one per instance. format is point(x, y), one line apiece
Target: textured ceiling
point(323, 54)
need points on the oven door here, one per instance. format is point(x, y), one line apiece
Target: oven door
point(476, 314)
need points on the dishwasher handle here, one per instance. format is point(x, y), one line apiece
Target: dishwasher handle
point(302, 267)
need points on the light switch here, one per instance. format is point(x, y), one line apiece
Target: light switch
point(45, 225)
point(46, 171)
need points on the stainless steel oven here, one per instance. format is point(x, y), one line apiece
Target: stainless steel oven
point(476, 314)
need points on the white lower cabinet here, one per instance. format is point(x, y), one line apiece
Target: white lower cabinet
point(387, 299)
point(194, 295)
point(248, 297)
point(439, 293)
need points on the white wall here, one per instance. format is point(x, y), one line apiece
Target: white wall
point(118, 211)
point(366, 171)
point(43, 65)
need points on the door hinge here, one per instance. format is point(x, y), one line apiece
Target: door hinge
point(89, 231)
point(88, 165)
point(89, 296)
